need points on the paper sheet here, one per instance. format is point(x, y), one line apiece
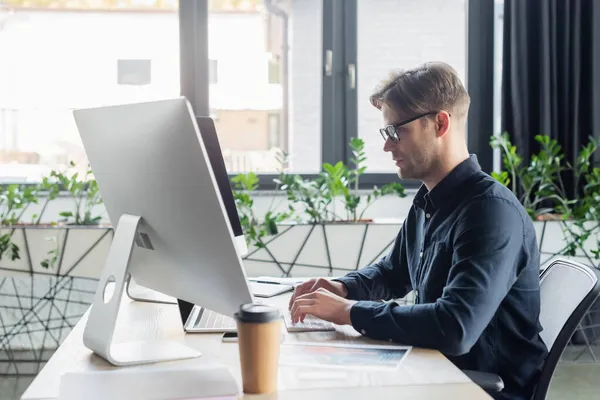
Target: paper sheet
point(286, 281)
point(346, 356)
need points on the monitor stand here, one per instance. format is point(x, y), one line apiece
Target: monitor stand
point(102, 318)
point(140, 293)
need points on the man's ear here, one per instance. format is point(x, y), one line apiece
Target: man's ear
point(376, 103)
point(442, 123)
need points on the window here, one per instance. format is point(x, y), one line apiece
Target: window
point(293, 76)
point(213, 71)
point(274, 71)
point(274, 130)
point(76, 54)
point(400, 34)
point(134, 72)
point(260, 76)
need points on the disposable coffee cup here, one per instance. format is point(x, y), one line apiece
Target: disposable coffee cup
point(259, 335)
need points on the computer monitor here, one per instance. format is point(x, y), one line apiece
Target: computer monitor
point(209, 135)
point(208, 131)
point(172, 231)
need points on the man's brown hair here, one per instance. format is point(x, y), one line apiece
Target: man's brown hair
point(433, 86)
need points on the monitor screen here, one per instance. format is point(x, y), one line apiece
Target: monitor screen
point(213, 148)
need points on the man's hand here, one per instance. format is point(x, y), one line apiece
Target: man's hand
point(322, 304)
point(312, 285)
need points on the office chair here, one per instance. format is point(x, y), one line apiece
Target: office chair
point(567, 290)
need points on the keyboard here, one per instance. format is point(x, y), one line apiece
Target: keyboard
point(310, 324)
point(203, 320)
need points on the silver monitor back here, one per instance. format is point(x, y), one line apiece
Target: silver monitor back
point(150, 161)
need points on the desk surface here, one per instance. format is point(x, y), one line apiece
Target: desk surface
point(424, 374)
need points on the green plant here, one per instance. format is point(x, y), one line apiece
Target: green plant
point(255, 229)
point(311, 201)
point(316, 198)
point(537, 183)
point(84, 192)
point(14, 200)
point(52, 258)
point(353, 199)
point(310, 197)
point(540, 188)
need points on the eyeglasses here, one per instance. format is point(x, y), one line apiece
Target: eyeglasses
point(391, 131)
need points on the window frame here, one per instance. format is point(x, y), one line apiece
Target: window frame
point(339, 116)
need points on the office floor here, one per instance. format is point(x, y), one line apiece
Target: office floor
point(573, 382)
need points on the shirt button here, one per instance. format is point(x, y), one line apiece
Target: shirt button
point(427, 215)
point(421, 254)
point(363, 332)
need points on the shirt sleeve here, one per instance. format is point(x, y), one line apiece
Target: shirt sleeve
point(387, 279)
point(487, 254)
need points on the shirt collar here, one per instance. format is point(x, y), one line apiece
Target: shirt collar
point(447, 188)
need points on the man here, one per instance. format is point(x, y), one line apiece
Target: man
point(467, 247)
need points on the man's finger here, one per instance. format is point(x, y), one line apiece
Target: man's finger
point(305, 287)
point(293, 297)
point(299, 303)
point(301, 312)
point(310, 295)
point(298, 290)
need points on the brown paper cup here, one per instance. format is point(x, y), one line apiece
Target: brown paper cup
point(259, 335)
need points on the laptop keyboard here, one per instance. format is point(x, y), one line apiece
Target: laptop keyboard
point(211, 320)
point(206, 319)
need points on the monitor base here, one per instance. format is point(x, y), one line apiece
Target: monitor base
point(134, 353)
point(102, 319)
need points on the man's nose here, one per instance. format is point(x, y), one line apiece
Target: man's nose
point(388, 145)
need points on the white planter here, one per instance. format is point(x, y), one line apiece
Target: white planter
point(330, 249)
point(553, 239)
point(39, 306)
point(81, 251)
point(336, 248)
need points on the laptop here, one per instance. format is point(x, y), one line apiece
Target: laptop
point(198, 319)
point(202, 320)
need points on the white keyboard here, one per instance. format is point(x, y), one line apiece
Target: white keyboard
point(310, 324)
point(203, 320)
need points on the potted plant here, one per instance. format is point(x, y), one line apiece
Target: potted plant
point(318, 226)
point(566, 225)
point(63, 247)
point(539, 187)
point(48, 270)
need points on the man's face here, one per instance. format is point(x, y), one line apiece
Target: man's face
point(415, 153)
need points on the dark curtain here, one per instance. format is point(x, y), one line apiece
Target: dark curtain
point(551, 74)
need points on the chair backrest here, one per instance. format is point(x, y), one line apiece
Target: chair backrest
point(567, 289)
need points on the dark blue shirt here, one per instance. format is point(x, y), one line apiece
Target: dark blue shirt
point(468, 249)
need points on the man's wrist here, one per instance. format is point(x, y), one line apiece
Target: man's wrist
point(349, 305)
point(343, 289)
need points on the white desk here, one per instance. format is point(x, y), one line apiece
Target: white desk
point(424, 374)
